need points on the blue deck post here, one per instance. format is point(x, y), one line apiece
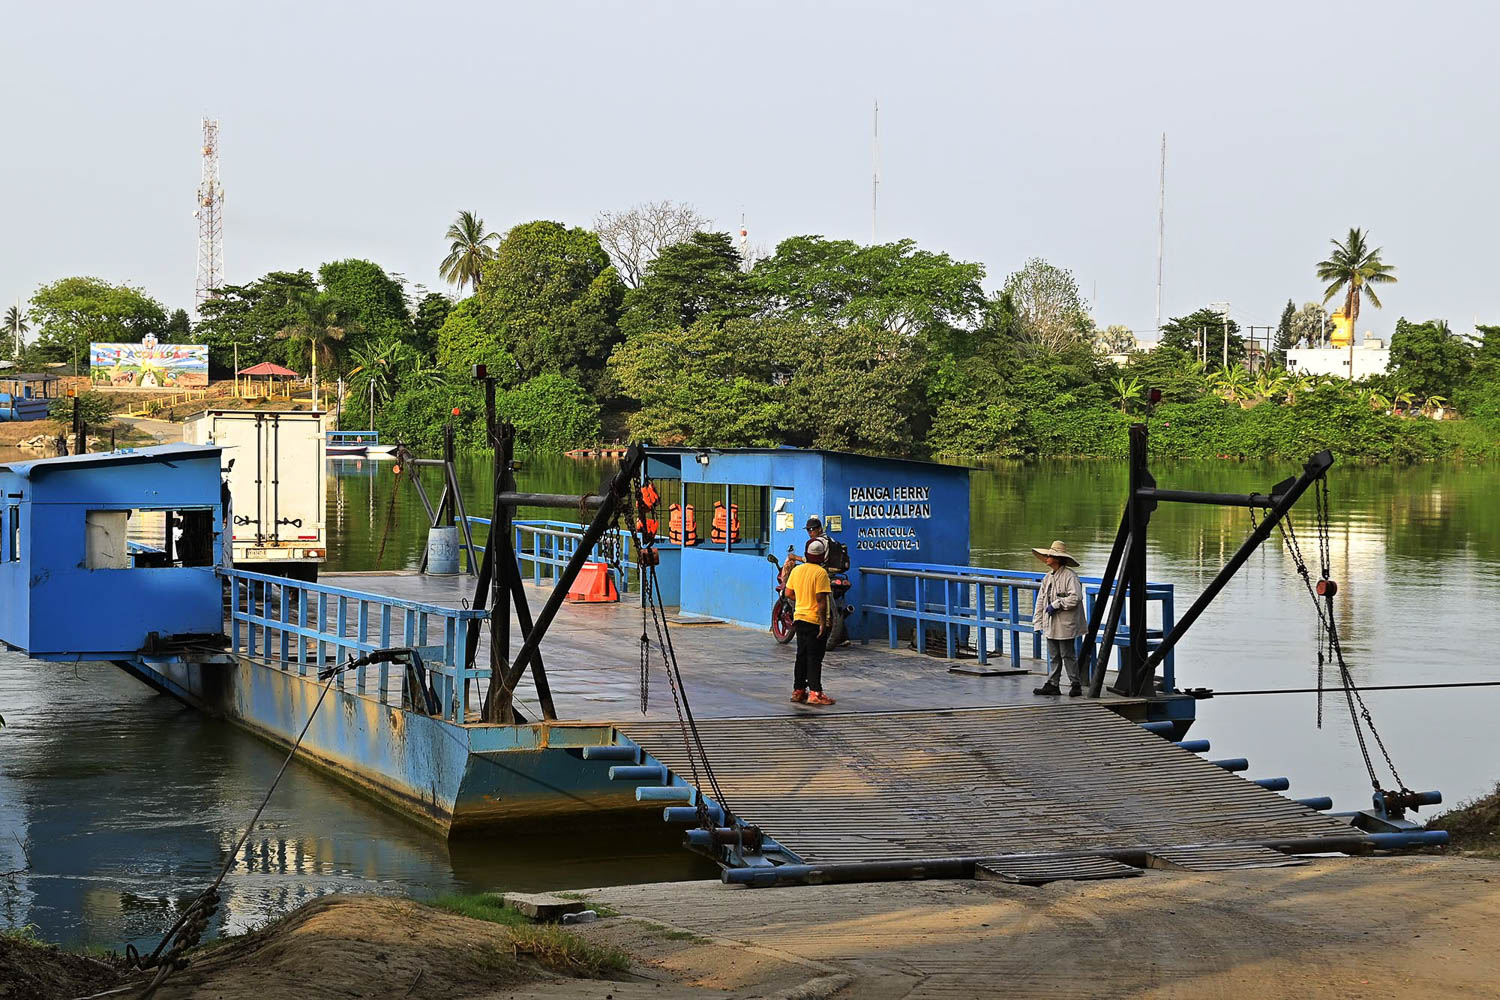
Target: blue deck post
point(948, 627)
point(322, 628)
point(301, 624)
point(284, 617)
point(362, 636)
point(919, 605)
point(385, 642)
point(890, 603)
point(234, 621)
point(981, 632)
point(341, 615)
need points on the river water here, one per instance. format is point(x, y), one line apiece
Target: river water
point(119, 804)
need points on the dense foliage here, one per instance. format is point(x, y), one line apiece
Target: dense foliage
point(888, 349)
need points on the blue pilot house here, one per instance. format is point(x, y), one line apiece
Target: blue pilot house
point(722, 511)
point(103, 556)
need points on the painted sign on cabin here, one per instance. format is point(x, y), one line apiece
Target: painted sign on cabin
point(149, 365)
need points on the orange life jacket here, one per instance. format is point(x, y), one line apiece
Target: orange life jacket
point(649, 527)
point(674, 525)
point(649, 496)
point(723, 522)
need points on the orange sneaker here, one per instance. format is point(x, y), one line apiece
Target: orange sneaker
point(799, 695)
point(819, 698)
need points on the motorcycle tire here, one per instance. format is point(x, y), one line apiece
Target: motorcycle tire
point(781, 620)
point(837, 633)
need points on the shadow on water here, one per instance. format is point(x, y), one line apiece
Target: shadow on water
point(126, 803)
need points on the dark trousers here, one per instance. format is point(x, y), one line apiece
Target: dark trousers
point(812, 642)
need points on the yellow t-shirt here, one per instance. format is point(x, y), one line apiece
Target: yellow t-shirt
point(807, 581)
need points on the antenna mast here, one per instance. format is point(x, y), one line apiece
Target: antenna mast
point(210, 216)
point(875, 185)
point(1161, 228)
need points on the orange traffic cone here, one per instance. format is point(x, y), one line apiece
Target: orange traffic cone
point(594, 585)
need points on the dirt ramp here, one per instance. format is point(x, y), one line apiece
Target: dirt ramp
point(353, 946)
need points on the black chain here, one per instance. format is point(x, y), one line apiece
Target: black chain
point(697, 752)
point(1328, 628)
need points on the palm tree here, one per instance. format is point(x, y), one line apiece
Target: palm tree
point(321, 323)
point(15, 326)
point(373, 376)
point(468, 251)
point(1351, 269)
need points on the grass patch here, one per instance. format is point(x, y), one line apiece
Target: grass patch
point(482, 906)
point(670, 934)
point(548, 944)
point(1473, 826)
point(25, 935)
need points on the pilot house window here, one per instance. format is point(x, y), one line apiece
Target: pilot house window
point(149, 539)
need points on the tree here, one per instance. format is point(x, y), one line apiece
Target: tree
point(634, 237)
point(251, 316)
point(708, 384)
point(371, 301)
point(1428, 358)
point(74, 312)
point(551, 413)
point(1285, 335)
point(893, 286)
point(322, 324)
point(1309, 325)
point(552, 298)
point(1115, 339)
point(699, 277)
point(1207, 327)
point(858, 387)
point(468, 250)
point(1049, 309)
point(179, 328)
point(15, 330)
point(431, 312)
point(1351, 270)
point(463, 342)
point(375, 372)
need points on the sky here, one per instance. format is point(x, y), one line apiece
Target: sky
point(1007, 131)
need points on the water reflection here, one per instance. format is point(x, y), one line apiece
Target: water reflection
point(127, 804)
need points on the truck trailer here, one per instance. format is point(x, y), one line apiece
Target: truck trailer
point(273, 463)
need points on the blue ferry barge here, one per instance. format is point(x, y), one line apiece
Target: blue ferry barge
point(117, 557)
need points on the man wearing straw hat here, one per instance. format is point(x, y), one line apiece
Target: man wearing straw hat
point(1059, 617)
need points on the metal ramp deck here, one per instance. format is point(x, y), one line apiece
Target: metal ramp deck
point(912, 786)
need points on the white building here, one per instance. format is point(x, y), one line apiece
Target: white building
point(1371, 357)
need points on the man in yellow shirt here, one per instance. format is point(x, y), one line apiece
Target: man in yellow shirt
point(809, 588)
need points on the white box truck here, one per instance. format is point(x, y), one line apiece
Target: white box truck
point(274, 465)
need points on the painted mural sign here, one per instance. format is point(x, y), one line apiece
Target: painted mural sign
point(888, 503)
point(149, 365)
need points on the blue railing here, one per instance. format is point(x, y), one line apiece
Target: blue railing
point(347, 438)
point(980, 607)
point(544, 547)
point(301, 627)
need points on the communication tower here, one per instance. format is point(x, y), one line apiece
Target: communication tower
point(210, 216)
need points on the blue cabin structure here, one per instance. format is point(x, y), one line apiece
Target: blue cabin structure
point(881, 509)
point(26, 396)
point(104, 556)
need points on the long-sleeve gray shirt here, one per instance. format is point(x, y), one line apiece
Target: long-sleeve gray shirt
point(1061, 589)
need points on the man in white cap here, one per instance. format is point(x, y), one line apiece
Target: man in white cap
point(1059, 617)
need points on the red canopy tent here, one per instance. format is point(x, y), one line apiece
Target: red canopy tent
point(270, 370)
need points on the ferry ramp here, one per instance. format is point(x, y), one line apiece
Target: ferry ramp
point(849, 789)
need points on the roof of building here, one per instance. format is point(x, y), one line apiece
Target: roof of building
point(655, 450)
point(30, 377)
point(162, 453)
point(268, 368)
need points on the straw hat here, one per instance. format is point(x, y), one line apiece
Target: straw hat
point(1057, 549)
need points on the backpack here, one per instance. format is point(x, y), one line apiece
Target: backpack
point(837, 559)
